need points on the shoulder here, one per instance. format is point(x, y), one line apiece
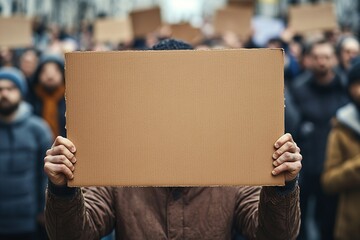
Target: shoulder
point(39, 126)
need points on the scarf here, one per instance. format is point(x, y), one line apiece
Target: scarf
point(50, 107)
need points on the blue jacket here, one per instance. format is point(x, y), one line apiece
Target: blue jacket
point(23, 144)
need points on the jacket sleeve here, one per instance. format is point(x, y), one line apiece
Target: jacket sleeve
point(339, 174)
point(87, 214)
point(265, 213)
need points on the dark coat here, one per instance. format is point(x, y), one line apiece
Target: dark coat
point(316, 104)
point(23, 144)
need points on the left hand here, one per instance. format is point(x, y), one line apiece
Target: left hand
point(287, 157)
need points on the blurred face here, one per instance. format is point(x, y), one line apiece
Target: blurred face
point(322, 59)
point(28, 63)
point(355, 92)
point(10, 97)
point(349, 51)
point(51, 76)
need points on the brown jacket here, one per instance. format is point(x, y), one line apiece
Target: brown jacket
point(342, 173)
point(174, 213)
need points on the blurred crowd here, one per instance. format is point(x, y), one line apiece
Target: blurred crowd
point(322, 90)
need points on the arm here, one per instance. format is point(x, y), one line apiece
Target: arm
point(276, 213)
point(85, 213)
point(339, 174)
point(74, 213)
point(267, 213)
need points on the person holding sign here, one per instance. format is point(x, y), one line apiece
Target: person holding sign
point(172, 212)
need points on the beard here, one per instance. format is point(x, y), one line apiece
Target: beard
point(8, 109)
point(321, 72)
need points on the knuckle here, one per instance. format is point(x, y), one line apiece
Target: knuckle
point(61, 148)
point(46, 167)
point(289, 136)
point(287, 155)
point(62, 158)
point(62, 168)
point(286, 165)
point(58, 139)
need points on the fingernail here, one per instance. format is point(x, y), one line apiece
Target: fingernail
point(275, 163)
point(273, 172)
point(73, 160)
point(276, 145)
point(73, 149)
point(274, 156)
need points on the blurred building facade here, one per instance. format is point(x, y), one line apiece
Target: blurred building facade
point(68, 12)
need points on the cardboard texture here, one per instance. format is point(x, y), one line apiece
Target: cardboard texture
point(175, 118)
point(234, 19)
point(113, 30)
point(308, 17)
point(186, 32)
point(145, 21)
point(15, 32)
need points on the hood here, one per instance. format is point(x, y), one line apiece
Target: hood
point(24, 111)
point(349, 117)
point(48, 59)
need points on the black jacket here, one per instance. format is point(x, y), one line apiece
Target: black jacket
point(317, 104)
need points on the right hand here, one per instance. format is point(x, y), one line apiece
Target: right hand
point(59, 161)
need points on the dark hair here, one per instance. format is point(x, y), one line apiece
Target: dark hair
point(320, 42)
point(172, 44)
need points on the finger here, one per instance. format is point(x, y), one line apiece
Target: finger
point(60, 159)
point(62, 168)
point(287, 147)
point(283, 139)
point(291, 167)
point(66, 142)
point(287, 157)
point(61, 150)
point(53, 169)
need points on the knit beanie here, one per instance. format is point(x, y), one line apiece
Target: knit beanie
point(14, 75)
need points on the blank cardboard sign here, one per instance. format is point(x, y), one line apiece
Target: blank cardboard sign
point(309, 17)
point(234, 19)
point(175, 118)
point(15, 32)
point(145, 21)
point(113, 30)
point(186, 32)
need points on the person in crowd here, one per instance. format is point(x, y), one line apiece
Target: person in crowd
point(48, 90)
point(172, 212)
point(24, 139)
point(342, 167)
point(28, 63)
point(317, 95)
point(348, 48)
point(6, 57)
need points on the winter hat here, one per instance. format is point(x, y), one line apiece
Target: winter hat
point(58, 60)
point(14, 75)
point(172, 44)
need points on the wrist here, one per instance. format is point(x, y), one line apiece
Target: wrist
point(289, 187)
point(63, 191)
